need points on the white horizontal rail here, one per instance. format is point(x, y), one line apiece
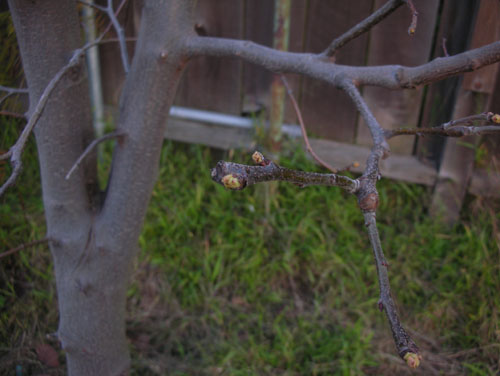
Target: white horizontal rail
point(211, 117)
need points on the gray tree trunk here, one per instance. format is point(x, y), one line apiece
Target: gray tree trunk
point(94, 240)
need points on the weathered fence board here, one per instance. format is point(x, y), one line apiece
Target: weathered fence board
point(213, 83)
point(328, 112)
point(391, 44)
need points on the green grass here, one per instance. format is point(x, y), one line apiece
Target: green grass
point(242, 283)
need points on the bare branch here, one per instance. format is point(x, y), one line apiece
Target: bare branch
point(120, 34)
point(311, 65)
point(303, 127)
point(414, 17)
point(362, 27)
point(237, 176)
point(92, 145)
point(13, 90)
point(16, 150)
point(24, 246)
point(455, 128)
point(406, 348)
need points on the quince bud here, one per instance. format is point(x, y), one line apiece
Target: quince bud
point(257, 157)
point(412, 359)
point(231, 182)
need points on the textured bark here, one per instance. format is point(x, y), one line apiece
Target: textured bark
point(94, 240)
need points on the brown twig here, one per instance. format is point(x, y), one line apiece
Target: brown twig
point(24, 246)
point(303, 127)
point(414, 17)
point(362, 27)
point(90, 147)
point(445, 50)
point(13, 114)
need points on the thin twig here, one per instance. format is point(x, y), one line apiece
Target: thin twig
point(445, 50)
point(455, 128)
point(121, 36)
point(11, 91)
point(90, 147)
point(363, 26)
point(24, 246)
point(14, 90)
point(414, 17)
point(303, 127)
point(13, 114)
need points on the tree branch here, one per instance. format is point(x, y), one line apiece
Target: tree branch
point(237, 176)
point(16, 150)
point(362, 27)
point(407, 349)
point(314, 66)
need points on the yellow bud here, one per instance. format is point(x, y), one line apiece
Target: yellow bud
point(496, 118)
point(231, 182)
point(412, 359)
point(258, 157)
point(355, 164)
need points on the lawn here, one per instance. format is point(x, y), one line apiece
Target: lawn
point(270, 280)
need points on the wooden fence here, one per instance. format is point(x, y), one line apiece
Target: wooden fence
point(230, 86)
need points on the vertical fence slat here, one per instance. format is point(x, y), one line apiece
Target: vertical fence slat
point(327, 111)
point(391, 44)
point(259, 29)
point(476, 91)
point(455, 24)
point(215, 83)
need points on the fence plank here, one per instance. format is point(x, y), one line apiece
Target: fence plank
point(391, 44)
point(457, 167)
point(215, 83)
point(455, 24)
point(327, 111)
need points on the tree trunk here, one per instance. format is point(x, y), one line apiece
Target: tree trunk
point(94, 241)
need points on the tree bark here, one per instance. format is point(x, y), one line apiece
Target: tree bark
point(94, 241)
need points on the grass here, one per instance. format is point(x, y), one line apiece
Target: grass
point(241, 283)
